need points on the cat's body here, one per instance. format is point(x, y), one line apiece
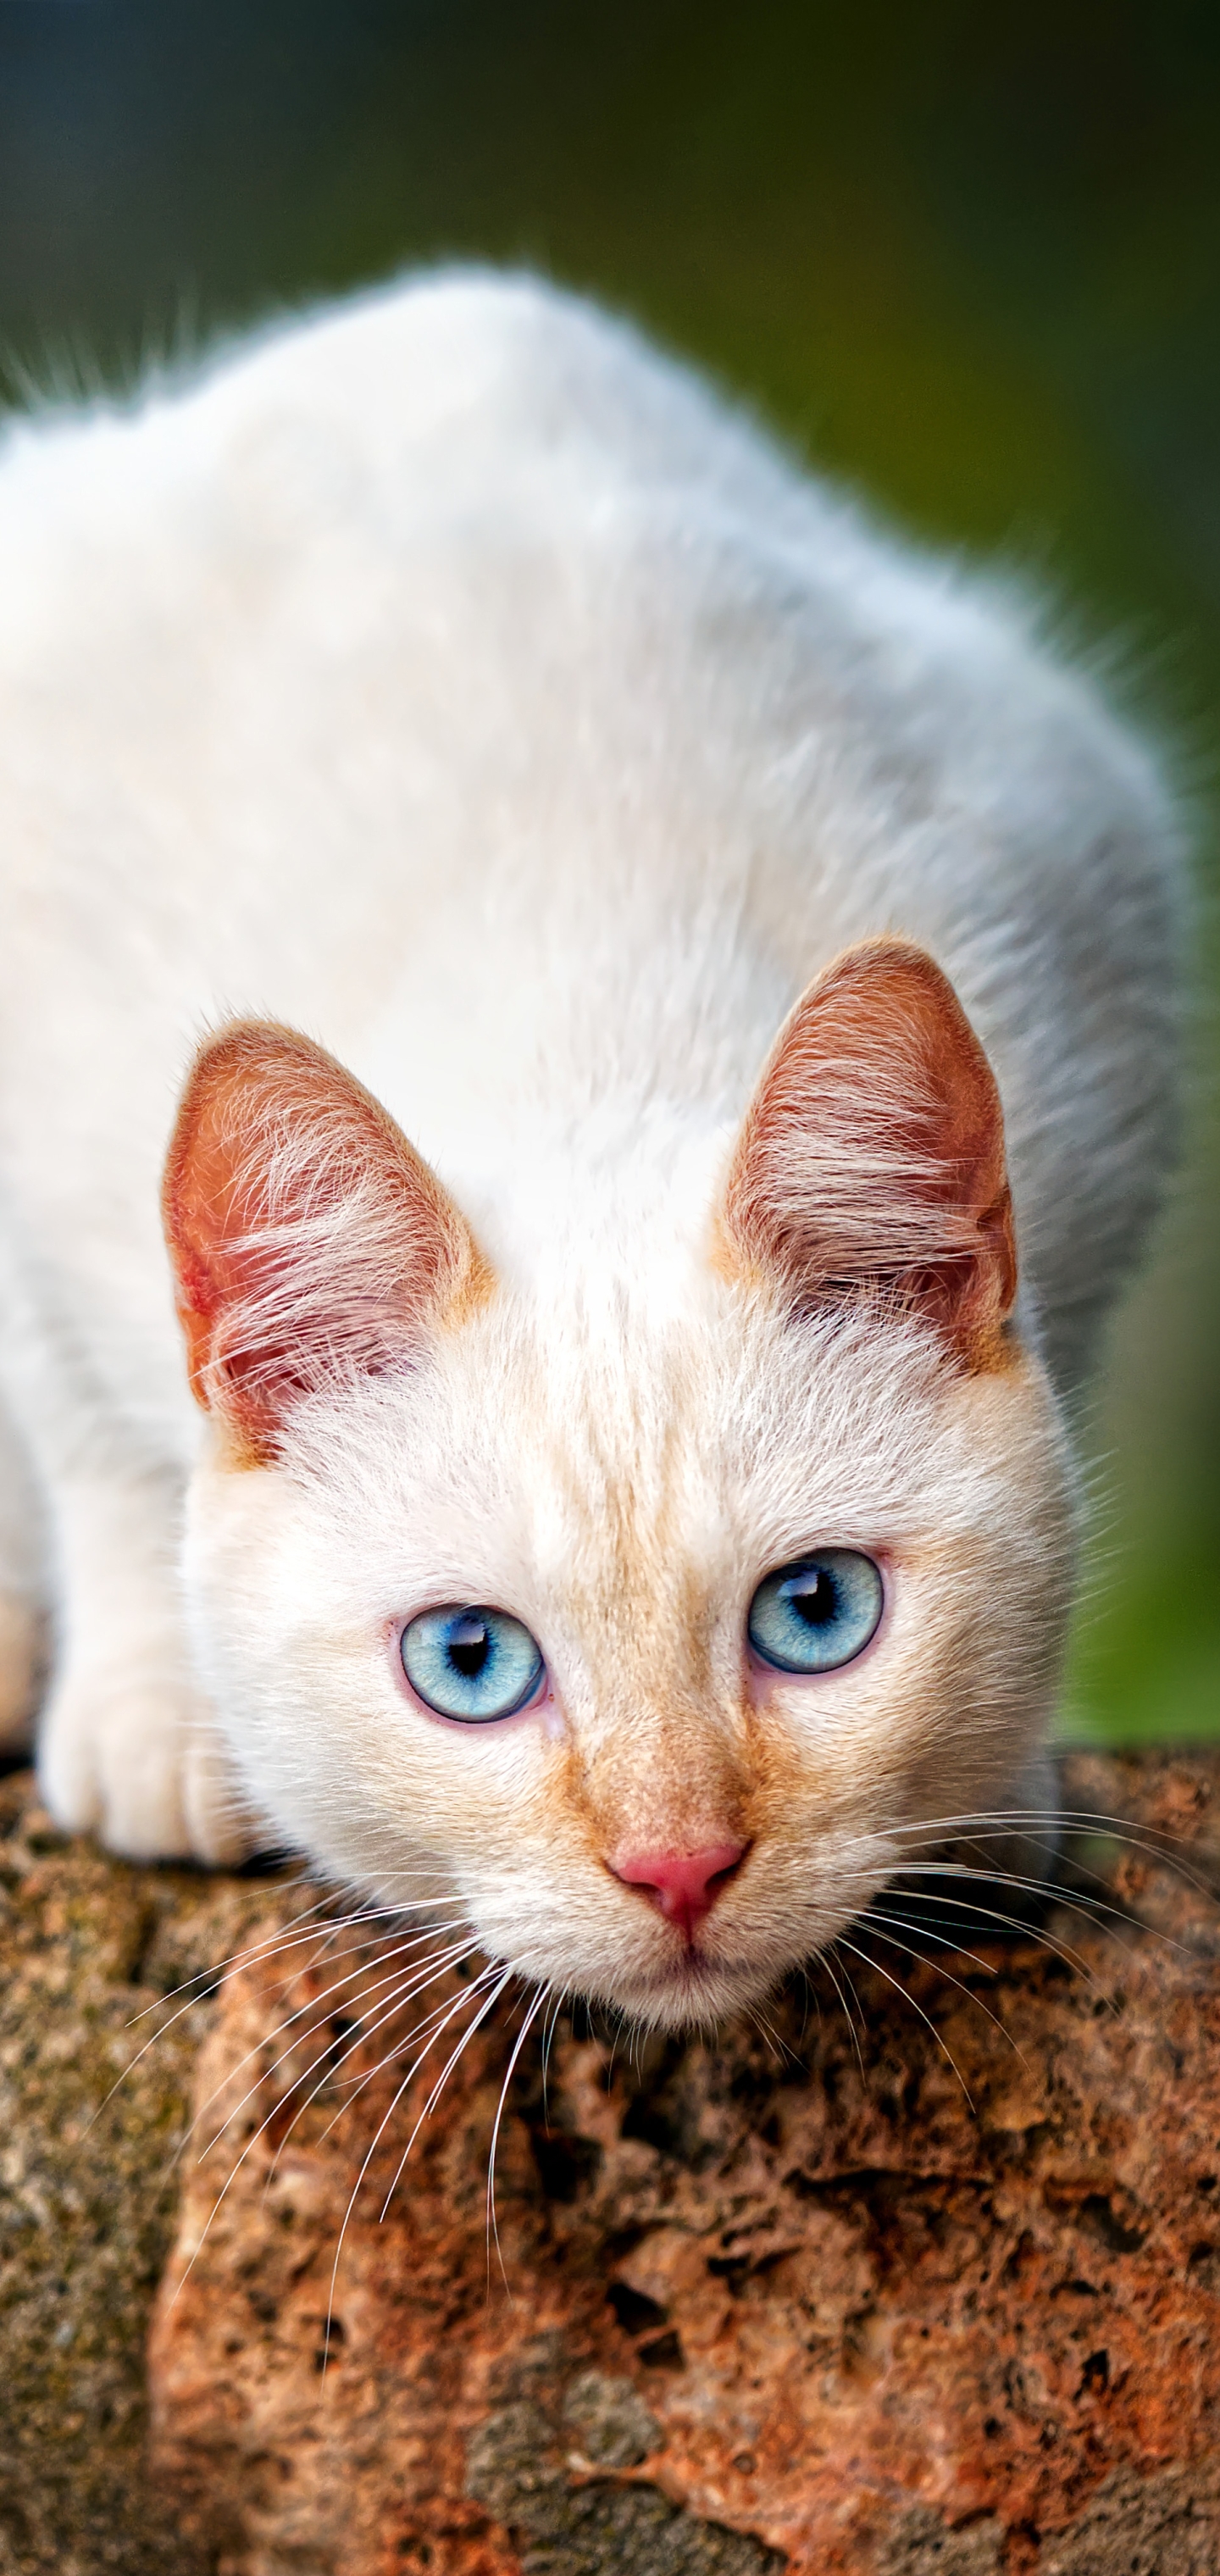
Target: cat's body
point(455, 681)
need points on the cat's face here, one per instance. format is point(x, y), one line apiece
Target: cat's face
point(481, 1576)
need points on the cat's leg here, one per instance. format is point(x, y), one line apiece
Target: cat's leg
point(23, 1624)
point(128, 1746)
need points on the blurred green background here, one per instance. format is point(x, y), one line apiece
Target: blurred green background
point(969, 259)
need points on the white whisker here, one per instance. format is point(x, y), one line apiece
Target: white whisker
point(493, 2231)
point(365, 2032)
point(909, 1998)
point(824, 1960)
point(440, 2012)
point(430, 1967)
point(251, 2143)
point(443, 2078)
point(870, 1925)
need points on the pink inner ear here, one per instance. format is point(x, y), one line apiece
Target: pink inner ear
point(871, 1158)
point(309, 1242)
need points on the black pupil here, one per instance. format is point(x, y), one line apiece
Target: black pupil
point(814, 1596)
point(469, 1646)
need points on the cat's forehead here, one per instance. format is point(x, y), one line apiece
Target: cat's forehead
point(620, 1381)
point(611, 1430)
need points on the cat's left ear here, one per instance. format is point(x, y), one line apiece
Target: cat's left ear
point(871, 1158)
point(310, 1244)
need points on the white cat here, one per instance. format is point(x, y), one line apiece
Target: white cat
point(642, 1520)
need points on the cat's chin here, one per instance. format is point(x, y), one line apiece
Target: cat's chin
point(692, 1994)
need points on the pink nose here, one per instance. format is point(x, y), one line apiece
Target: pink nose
point(683, 1886)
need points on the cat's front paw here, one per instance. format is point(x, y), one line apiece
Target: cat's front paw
point(142, 1767)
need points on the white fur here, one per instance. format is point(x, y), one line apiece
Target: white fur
point(455, 679)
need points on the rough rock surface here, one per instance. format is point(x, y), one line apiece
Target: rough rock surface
point(87, 2181)
point(933, 2292)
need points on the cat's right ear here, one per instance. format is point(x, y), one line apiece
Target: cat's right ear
point(309, 1243)
point(871, 1158)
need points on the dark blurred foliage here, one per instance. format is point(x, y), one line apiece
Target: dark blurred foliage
point(970, 258)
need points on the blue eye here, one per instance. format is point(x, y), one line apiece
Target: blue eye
point(817, 1614)
point(474, 1664)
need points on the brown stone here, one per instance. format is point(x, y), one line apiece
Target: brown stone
point(789, 2298)
point(928, 2284)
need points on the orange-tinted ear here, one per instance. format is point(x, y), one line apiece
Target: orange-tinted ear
point(309, 1242)
point(872, 1154)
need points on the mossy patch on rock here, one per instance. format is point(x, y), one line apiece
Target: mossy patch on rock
point(566, 2520)
point(89, 2131)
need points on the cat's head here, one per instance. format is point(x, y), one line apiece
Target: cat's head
point(642, 1614)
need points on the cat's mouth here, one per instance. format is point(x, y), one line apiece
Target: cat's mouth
point(699, 1969)
point(699, 1995)
point(723, 1966)
point(696, 1985)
